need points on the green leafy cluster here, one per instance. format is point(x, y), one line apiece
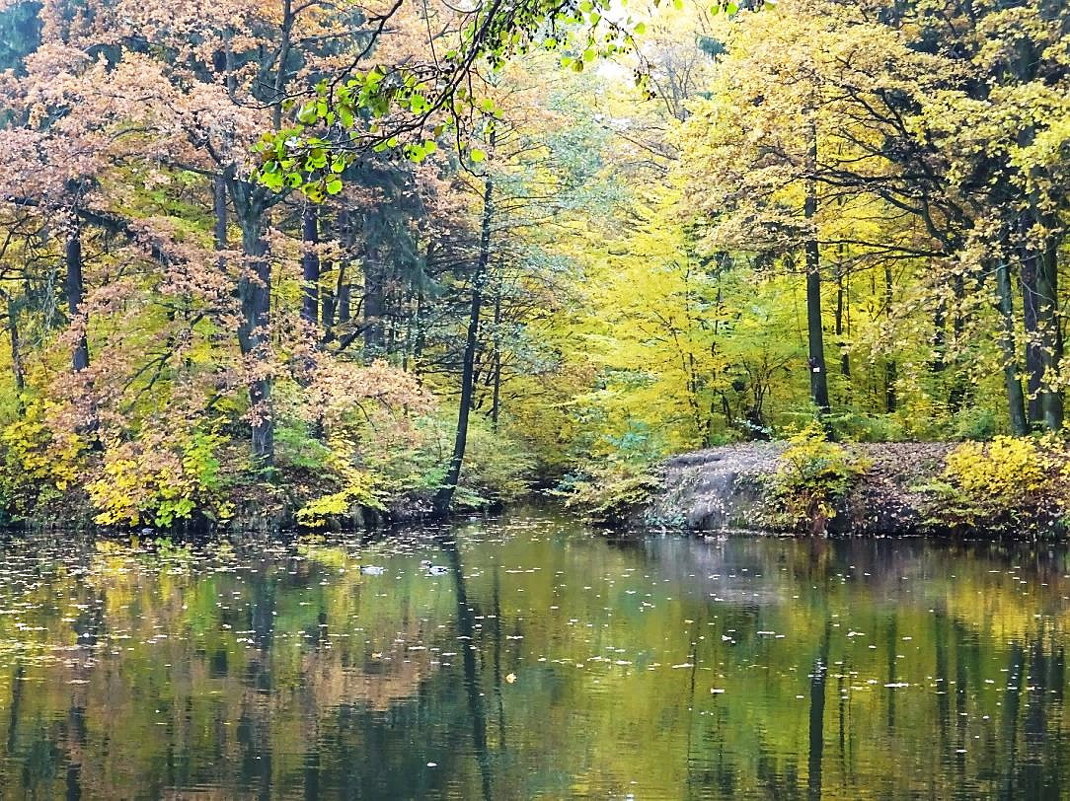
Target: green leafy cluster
point(497, 469)
point(612, 491)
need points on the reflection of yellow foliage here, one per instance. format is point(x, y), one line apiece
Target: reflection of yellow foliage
point(110, 560)
point(328, 556)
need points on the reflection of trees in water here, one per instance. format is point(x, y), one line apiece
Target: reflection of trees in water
point(195, 686)
point(949, 612)
point(323, 710)
point(816, 728)
point(473, 691)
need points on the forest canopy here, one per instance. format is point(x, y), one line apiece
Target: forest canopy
point(269, 260)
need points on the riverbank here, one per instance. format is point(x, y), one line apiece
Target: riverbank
point(806, 485)
point(1011, 486)
point(263, 508)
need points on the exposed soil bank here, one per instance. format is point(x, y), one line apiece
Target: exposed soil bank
point(723, 488)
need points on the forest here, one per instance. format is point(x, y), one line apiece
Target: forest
point(300, 260)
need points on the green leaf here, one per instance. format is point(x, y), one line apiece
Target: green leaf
point(477, 155)
point(272, 180)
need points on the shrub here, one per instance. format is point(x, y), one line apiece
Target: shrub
point(812, 476)
point(296, 449)
point(359, 487)
point(40, 464)
point(974, 423)
point(858, 427)
point(496, 468)
point(611, 494)
point(154, 481)
point(1010, 482)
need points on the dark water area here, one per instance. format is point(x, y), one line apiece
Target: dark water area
point(535, 660)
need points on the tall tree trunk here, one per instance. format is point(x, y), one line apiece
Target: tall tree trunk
point(959, 391)
point(310, 265)
point(219, 208)
point(254, 292)
point(1034, 350)
point(496, 396)
point(329, 295)
point(1039, 280)
point(328, 308)
point(18, 371)
point(374, 302)
point(819, 389)
point(891, 395)
point(281, 72)
point(419, 338)
point(1050, 329)
point(1013, 385)
point(255, 297)
point(75, 298)
point(471, 345)
point(345, 297)
point(939, 364)
point(841, 313)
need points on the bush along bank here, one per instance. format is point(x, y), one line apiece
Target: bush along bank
point(1009, 486)
point(204, 480)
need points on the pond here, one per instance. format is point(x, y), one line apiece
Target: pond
point(535, 659)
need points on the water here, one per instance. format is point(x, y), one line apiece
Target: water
point(545, 662)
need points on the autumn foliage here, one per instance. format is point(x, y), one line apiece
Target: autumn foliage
point(269, 261)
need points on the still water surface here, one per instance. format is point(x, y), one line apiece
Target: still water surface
point(540, 662)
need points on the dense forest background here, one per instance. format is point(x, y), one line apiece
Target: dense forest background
point(268, 255)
